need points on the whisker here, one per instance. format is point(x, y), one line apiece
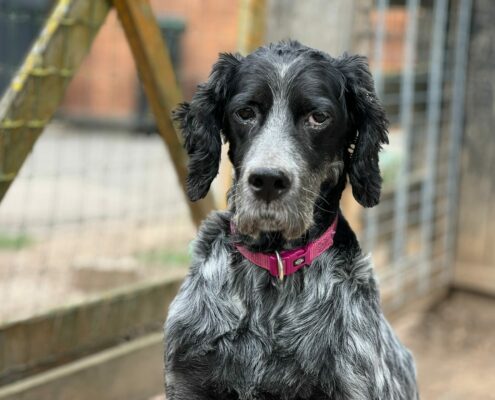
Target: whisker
point(318, 195)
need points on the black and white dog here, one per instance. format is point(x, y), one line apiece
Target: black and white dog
point(280, 302)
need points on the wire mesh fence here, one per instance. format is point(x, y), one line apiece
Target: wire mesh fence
point(102, 199)
point(97, 204)
point(411, 231)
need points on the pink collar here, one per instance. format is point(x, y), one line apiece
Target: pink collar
point(289, 261)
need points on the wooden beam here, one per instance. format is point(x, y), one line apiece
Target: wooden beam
point(475, 277)
point(45, 341)
point(158, 78)
point(38, 87)
point(251, 35)
point(131, 370)
point(252, 25)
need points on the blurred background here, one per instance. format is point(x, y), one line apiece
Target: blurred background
point(94, 226)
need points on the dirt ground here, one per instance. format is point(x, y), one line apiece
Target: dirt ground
point(454, 347)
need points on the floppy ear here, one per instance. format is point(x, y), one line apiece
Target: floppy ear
point(368, 130)
point(201, 123)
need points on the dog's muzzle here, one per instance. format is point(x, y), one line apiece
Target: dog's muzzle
point(268, 184)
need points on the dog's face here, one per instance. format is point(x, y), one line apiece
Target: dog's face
point(290, 114)
point(286, 124)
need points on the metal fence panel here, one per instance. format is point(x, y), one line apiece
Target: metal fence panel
point(99, 209)
point(411, 233)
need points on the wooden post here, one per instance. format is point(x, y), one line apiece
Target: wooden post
point(475, 252)
point(252, 21)
point(38, 87)
point(156, 72)
point(251, 35)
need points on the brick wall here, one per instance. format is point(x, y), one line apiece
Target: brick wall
point(395, 32)
point(106, 84)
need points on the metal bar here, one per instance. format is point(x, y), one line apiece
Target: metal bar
point(406, 118)
point(434, 110)
point(19, 127)
point(371, 219)
point(457, 129)
point(388, 228)
point(381, 9)
point(410, 264)
point(156, 72)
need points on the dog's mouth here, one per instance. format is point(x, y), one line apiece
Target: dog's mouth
point(258, 218)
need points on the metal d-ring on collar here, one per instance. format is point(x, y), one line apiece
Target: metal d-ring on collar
point(290, 261)
point(280, 265)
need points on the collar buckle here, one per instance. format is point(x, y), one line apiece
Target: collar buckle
point(280, 266)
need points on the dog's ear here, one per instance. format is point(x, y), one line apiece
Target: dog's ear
point(201, 123)
point(368, 131)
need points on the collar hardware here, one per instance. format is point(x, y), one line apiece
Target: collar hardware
point(286, 262)
point(280, 265)
point(299, 261)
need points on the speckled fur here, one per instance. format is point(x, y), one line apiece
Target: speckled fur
point(234, 331)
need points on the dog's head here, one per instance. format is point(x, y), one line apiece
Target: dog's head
point(296, 119)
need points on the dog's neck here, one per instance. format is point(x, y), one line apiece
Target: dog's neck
point(326, 208)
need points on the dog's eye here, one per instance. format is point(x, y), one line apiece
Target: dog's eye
point(245, 114)
point(317, 119)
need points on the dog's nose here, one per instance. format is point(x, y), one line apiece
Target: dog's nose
point(268, 184)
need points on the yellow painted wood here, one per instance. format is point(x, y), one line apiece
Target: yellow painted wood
point(251, 35)
point(38, 87)
point(156, 72)
point(252, 25)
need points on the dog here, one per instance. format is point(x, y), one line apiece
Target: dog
point(280, 301)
